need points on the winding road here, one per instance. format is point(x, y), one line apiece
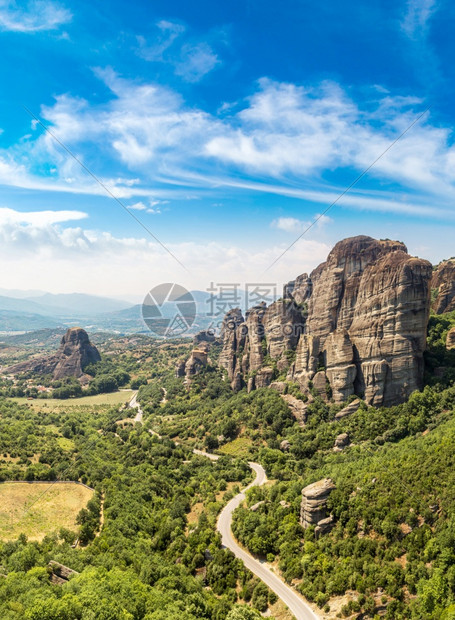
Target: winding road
point(296, 604)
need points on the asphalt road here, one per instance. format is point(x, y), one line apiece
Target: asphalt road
point(135, 405)
point(288, 595)
point(296, 604)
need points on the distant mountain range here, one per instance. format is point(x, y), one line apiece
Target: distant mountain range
point(25, 311)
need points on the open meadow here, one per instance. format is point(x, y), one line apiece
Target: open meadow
point(113, 399)
point(36, 509)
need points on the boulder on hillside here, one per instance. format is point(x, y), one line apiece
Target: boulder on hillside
point(341, 442)
point(313, 508)
point(348, 410)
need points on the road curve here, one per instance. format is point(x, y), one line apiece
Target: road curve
point(135, 405)
point(295, 603)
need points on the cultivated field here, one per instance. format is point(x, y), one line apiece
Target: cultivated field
point(114, 398)
point(238, 447)
point(37, 509)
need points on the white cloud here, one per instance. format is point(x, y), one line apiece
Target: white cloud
point(196, 61)
point(38, 219)
point(37, 15)
point(288, 136)
point(138, 206)
point(289, 224)
point(418, 14)
point(69, 259)
point(295, 226)
point(154, 206)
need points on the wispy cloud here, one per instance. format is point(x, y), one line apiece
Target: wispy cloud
point(138, 206)
point(168, 32)
point(192, 60)
point(416, 25)
point(196, 61)
point(286, 139)
point(35, 16)
point(417, 16)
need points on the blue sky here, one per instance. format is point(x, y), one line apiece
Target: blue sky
point(225, 128)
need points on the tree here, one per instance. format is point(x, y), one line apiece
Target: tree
point(242, 612)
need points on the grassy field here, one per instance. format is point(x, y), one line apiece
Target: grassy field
point(39, 509)
point(115, 398)
point(239, 447)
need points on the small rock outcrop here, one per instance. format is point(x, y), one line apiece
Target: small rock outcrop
point(313, 509)
point(298, 408)
point(196, 361)
point(75, 353)
point(341, 442)
point(279, 386)
point(323, 527)
point(180, 369)
point(60, 574)
point(443, 285)
point(198, 358)
point(348, 410)
point(450, 341)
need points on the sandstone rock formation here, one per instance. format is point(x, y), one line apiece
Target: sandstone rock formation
point(298, 408)
point(198, 358)
point(348, 410)
point(313, 508)
point(196, 361)
point(74, 354)
point(265, 332)
point(443, 282)
point(233, 337)
point(341, 442)
point(356, 325)
point(180, 369)
point(450, 342)
point(366, 325)
point(324, 526)
point(279, 386)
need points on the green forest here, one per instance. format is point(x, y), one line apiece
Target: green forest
point(147, 546)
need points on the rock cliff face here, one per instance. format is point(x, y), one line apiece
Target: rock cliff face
point(74, 354)
point(264, 335)
point(356, 325)
point(443, 282)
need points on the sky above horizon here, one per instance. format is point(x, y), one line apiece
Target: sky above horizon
point(225, 129)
